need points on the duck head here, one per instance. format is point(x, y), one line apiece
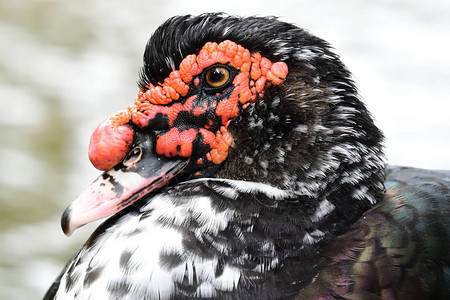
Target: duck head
point(252, 99)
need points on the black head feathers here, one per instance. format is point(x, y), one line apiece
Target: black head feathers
point(183, 35)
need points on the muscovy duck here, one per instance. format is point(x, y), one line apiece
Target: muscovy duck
point(248, 168)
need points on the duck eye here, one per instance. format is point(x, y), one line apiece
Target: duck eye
point(217, 76)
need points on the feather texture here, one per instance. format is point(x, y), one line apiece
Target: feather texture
point(296, 204)
point(398, 249)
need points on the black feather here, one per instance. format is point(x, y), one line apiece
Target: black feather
point(183, 35)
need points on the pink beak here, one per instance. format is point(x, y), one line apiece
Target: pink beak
point(141, 172)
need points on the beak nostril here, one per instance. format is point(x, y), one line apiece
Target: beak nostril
point(132, 157)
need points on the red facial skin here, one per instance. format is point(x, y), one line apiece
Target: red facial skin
point(112, 139)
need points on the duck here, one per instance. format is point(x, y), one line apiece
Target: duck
point(248, 167)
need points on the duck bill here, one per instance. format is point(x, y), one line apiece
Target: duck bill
point(119, 187)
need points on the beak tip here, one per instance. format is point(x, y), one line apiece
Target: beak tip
point(65, 222)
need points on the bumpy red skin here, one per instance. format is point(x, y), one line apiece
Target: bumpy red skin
point(112, 139)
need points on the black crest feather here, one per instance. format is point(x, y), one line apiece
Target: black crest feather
point(184, 35)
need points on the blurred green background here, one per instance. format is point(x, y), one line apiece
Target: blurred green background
point(67, 65)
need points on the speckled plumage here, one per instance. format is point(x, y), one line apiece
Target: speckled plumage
point(398, 249)
point(298, 210)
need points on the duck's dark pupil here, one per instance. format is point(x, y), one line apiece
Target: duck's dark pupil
point(216, 76)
